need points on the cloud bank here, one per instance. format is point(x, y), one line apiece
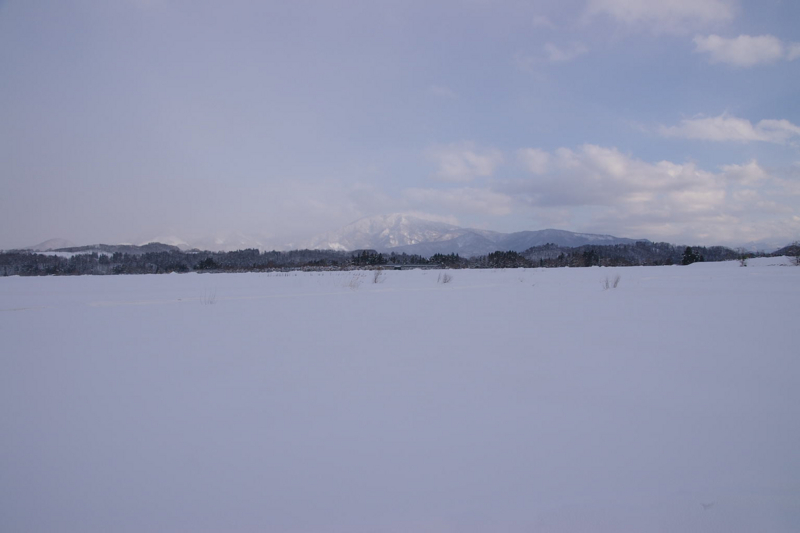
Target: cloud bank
point(557, 54)
point(673, 16)
point(465, 161)
point(663, 200)
point(745, 50)
point(729, 128)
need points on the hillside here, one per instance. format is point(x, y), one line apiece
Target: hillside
point(409, 234)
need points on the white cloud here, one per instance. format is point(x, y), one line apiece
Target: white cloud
point(463, 162)
point(747, 174)
point(664, 15)
point(447, 219)
point(535, 160)
point(792, 51)
point(527, 63)
point(541, 21)
point(607, 191)
point(558, 55)
point(532, 63)
point(466, 200)
point(441, 91)
point(746, 50)
point(729, 128)
point(595, 175)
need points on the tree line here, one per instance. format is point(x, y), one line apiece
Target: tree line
point(142, 260)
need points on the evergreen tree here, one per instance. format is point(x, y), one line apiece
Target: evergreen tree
point(207, 264)
point(689, 256)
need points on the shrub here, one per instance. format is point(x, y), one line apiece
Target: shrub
point(355, 281)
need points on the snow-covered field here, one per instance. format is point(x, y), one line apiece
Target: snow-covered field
point(502, 401)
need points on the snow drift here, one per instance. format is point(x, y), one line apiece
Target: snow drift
point(509, 400)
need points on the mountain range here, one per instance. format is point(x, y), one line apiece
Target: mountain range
point(52, 244)
point(398, 232)
point(413, 235)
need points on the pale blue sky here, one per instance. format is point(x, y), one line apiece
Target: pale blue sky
point(670, 120)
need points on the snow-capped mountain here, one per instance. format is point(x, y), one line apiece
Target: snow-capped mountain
point(399, 232)
point(383, 232)
point(413, 235)
point(218, 242)
point(51, 244)
point(228, 242)
point(172, 240)
point(522, 240)
point(763, 245)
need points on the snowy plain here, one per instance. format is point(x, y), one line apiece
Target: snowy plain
point(526, 400)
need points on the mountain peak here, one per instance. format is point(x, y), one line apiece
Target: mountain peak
point(409, 233)
point(384, 232)
point(52, 244)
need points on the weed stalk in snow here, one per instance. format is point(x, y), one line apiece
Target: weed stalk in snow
point(611, 283)
point(209, 297)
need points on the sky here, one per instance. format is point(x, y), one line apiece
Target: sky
point(127, 120)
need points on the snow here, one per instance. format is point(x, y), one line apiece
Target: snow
point(506, 400)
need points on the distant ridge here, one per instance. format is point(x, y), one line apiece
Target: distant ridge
point(384, 232)
point(120, 248)
point(51, 244)
point(413, 235)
